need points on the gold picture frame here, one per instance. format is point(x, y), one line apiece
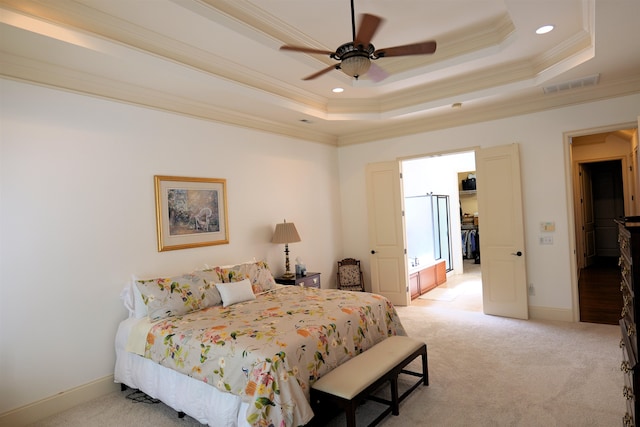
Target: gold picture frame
point(190, 212)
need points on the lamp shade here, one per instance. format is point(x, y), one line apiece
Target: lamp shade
point(285, 233)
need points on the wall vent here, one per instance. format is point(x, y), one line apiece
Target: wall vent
point(573, 84)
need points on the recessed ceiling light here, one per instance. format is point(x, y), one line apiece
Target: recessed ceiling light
point(337, 90)
point(545, 29)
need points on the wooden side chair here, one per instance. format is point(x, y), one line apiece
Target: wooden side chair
point(350, 276)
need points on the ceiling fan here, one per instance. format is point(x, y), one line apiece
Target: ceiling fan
point(355, 57)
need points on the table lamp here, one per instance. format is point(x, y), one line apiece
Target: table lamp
point(286, 233)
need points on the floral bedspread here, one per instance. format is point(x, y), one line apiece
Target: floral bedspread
point(272, 349)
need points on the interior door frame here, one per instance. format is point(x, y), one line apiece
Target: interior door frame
point(570, 184)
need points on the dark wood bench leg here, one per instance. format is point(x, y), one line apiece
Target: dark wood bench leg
point(425, 367)
point(395, 401)
point(350, 411)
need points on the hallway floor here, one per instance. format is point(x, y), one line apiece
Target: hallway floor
point(599, 292)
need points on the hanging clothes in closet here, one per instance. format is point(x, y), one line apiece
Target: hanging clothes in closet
point(471, 244)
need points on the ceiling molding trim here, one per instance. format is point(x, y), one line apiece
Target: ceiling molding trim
point(514, 107)
point(458, 47)
point(250, 21)
point(573, 52)
point(95, 86)
point(88, 21)
point(517, 75)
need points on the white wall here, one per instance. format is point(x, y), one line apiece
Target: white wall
point(77, 220)
point(541, 140)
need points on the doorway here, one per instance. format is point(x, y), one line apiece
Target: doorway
point(602, 193)
point(598, 284)
point(503, 272)
point(436, 178)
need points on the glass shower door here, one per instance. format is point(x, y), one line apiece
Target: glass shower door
point(441, 229)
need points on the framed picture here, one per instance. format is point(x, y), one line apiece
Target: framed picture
point(190, 212)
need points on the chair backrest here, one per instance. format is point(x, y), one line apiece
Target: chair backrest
point(350, 275)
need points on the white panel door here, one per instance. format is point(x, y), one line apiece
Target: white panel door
point(386, 232)
point(501, 232)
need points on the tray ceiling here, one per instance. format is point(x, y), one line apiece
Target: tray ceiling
point(220, 59)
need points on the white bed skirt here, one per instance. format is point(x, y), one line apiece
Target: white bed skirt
point(195, 398)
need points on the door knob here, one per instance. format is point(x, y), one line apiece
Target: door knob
point(517, 253)
point(372, 252)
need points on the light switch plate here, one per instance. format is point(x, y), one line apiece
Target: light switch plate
point(546, 240)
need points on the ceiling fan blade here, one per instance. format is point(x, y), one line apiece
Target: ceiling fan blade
point(376, 74)
point(409, 49)
point(306, 50)
point(369, 24)
point(321, 72)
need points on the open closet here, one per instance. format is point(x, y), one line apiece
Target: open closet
point(469, 221)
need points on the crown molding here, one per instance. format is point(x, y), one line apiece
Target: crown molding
point(22, 69)
point(514, 107)
point(416, 110)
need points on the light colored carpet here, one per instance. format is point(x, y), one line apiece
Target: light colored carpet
point(468, 284)
point(484, 371)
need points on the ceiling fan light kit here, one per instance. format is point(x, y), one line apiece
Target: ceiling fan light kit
point(354, 61)
point(355, 57)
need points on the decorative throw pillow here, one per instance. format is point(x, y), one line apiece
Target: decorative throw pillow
point(216, 272)
point(258, 274)
point(175, 296)
point(235, 292)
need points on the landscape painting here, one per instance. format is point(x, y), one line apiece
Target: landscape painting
point(190, 212)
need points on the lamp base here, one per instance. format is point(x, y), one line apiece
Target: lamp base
point(287, 271)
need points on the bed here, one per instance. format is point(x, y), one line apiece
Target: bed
point(229, 347)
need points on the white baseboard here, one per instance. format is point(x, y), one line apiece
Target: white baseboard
point(547, 313)
point(62, 401)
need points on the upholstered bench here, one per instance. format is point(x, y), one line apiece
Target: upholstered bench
point(355, 380)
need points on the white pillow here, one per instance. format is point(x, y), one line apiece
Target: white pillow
point(138, 303)
point(132, 299)
point(235, 292)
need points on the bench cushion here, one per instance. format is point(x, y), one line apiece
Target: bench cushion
point(356, 374)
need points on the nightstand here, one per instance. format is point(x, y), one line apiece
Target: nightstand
point(310, 280)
